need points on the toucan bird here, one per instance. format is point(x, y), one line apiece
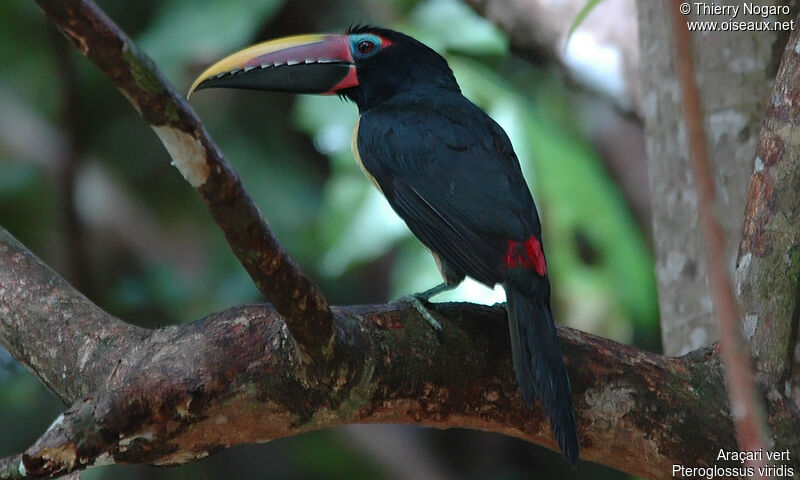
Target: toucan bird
point(445, 167)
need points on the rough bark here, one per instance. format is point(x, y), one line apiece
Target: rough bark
point(44, 321)
point(176, 394)
point(734, 71)
point(769, 252)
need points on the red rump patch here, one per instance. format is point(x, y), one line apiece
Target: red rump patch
point(527, 255)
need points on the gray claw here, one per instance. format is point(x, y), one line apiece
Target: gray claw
point(426, 314)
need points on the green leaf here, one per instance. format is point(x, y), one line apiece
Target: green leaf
point(582, 14)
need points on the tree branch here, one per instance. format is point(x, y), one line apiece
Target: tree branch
point(202, 164)
point(54, 330)
point(179, 393)
point(749, 418)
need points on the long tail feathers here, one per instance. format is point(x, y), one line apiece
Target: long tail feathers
point(538, 362)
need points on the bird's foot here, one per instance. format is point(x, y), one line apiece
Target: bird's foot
point(418, 301)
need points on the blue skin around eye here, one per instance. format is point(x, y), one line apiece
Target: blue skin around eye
point(356, 39)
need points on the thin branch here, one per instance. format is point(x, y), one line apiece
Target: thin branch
point(202, 164)
point(72, 156)
point(180, 393)
point(747, 411)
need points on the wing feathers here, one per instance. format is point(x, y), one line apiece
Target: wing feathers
point(440, 167)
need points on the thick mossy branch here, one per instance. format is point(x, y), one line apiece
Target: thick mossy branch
point(202, 165)
point(179, 393)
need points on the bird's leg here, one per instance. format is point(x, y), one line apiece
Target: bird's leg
point(417, 300)
point(432, 292)
point(452, 277)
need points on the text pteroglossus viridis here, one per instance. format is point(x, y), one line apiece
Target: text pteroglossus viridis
point(444, 166)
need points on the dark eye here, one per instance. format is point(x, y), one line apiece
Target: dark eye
point(365, 47)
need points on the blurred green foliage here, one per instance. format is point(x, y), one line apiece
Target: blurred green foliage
point(152, 254)
point(180, 29)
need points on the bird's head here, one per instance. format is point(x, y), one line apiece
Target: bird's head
point(366, 64)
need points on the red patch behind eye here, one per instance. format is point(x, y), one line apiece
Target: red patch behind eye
point(350, 80)
point(528, 255)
